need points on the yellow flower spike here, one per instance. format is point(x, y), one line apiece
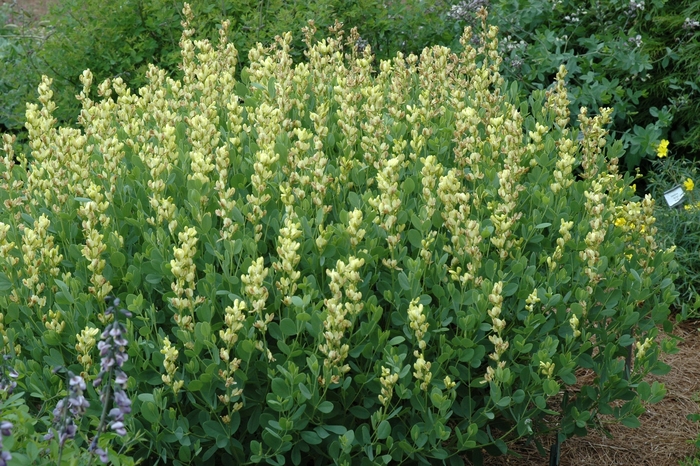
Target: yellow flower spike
point(547, 369)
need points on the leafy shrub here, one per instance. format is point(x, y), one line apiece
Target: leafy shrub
point(678, 226)
point(121, 38)
point(672, 44)
point(640, 58)
point(18, 80)
point(324, 262)
point(603, 45)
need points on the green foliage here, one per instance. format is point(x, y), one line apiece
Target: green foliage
point(637, 59)
point(602, 45)
point(120, 38)
point(678, 226)
point(19, 37)
point(327, 261)
point(672, 44)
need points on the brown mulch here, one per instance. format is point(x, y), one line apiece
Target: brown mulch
point(36, 8)
point(663, 439)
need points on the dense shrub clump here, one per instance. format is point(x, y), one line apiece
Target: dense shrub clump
point(326, 262)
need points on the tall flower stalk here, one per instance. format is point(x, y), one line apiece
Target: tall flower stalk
point(112, 379)
point(67, 411)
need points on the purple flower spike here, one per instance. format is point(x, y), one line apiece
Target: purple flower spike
point(113, 355)
point(68, 409)
point(6, 431)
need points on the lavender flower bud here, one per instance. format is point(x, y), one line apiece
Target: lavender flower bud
point(6, 428)
point(118, 427)
point(102, 455)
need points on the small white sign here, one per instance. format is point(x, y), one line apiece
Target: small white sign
point(674, 196)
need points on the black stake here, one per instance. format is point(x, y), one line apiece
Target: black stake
point(555, 452)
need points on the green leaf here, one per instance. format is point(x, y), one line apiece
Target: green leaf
point(338, 430)
point(415, 238)
point(408, 186)
point(403, 281)
point(5, 283)
point(383, 430)
point(359, 412)
point(504, 402)
point(311, 437)
point(54, 359)
point(288, 327)
point(540, 402)
point(631, 422)
point(550, 387)
point(626, 340)
point(202, 330)
point(325, 407)
point(297, 301)
point(206, 223)
point(117, 259)
point(396, 341)
point(280, 388)
point(64, 298)
point(150, 412)
point(304, 391)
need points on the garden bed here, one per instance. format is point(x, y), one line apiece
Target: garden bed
point(663, 439)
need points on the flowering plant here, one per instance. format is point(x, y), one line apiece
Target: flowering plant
point(677, 227)
point(407, 265)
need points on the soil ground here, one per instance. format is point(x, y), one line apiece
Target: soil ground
point(665, 436)
point(37, 8)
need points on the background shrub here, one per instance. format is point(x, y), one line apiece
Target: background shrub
point(327, 262)
point(19, 79)
point(638, 57)
point(678, 225)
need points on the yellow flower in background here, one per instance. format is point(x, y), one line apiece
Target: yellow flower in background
point(620, 222)
point(689, 184)
point(662, 150)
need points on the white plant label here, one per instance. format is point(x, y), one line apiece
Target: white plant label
point(674, 196)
